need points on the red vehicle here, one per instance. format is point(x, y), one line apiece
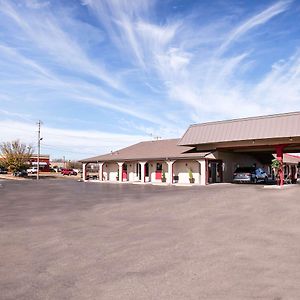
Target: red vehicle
point(68, 172)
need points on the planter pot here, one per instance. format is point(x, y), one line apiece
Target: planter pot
point(192, 180)
point(176, 179)
point(164, 180)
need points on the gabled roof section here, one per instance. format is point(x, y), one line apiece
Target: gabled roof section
point(155, 150)
point(253, 128)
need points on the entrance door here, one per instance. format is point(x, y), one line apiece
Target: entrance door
point(124, 172)
point(147, 170)
point(215, 171)
point(158, 172)
point(138, 171)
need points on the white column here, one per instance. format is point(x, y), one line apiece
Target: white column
point(202, 172)
point(84, 171)
point(170, 171)
point(142, 163)
point(120, 164)
point(101, 170)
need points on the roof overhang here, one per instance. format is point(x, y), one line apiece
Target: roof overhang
point(291, 145)
point(196, 156)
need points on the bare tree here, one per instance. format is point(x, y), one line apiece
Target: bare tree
point(15, 155)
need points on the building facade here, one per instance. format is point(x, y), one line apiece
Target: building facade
point(207, 153)
point(44, 162)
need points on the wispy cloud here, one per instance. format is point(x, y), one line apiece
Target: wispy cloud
point(14, 114)
point(130, 69)
point(46, 32)
point(120, 19)
point(253, 22)
point(77, 143)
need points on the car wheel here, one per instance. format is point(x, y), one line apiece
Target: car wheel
point(266, 180)
point(255, 180)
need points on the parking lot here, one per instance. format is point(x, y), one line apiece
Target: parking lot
point(63, 239)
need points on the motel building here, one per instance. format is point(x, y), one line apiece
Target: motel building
point(206, 153)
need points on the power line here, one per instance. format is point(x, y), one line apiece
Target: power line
point(50, 147)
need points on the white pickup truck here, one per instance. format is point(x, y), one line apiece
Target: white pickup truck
point(32, 170)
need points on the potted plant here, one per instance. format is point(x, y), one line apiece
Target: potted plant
point(277, 167)
point(163, 176)
point(191, 178)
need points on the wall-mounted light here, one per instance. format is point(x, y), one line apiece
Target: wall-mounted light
point(290, 139)
point(253, 142)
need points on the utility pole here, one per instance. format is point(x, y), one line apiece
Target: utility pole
point(39, 150)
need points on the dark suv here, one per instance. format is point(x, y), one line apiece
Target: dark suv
point(250, 175)
point(3, 171)
point(20, 173)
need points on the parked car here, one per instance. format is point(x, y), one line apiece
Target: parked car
point(68, 172)
point(3, 171)
point(32, 170)
point(21, 173)
point(250, 175)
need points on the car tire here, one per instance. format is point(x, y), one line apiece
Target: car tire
point(255, 180)
point(266, 180)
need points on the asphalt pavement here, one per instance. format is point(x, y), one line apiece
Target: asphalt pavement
point(63, 239)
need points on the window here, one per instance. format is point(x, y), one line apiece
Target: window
point(158, 167)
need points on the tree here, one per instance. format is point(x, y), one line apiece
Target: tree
point(73, 164)
point(15, 155)
point(277, 167)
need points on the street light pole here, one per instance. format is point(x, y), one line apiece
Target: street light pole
point(39, 150)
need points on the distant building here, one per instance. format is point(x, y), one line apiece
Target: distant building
point(44, 162)
point(59, 164)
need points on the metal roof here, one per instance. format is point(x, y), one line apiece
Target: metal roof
point(253, 128)
point(150, 150)
point(290, 159)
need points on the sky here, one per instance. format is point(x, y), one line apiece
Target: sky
point(105, 74)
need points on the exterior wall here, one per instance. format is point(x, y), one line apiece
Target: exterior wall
point(110, 171)
point(131, 169)
point(181, 169)
point(152, 170)
point(232, 160)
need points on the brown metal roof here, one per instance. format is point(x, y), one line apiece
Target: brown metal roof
point(150, 150)
point(263, 127)
point(290, 159)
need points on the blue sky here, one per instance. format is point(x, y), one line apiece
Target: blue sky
point(102, 75)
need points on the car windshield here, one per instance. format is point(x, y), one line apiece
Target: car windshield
point(244, 170)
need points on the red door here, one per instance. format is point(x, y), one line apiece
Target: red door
point(158, 175)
